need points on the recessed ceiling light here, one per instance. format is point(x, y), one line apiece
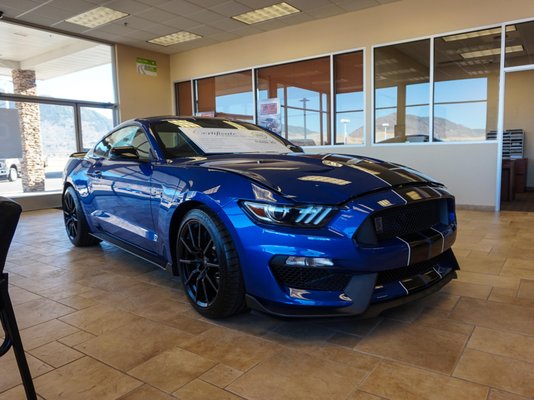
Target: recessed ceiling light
point(96, 17)
point(491, 52)
point(174, 38)
point(470, 35)
point(267, 13)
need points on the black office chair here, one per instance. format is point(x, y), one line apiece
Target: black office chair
point(9, 218)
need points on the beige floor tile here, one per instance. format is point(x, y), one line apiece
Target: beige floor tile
point(423, 346)
point(99, 319)
point(187, 324)
point(17, 393)
point(85, 379)
point(432, 320)
point(56, 354)
point(253, 323)
point(146, 392)
point(221, 375)
point(231, 348)
point(130, 345)
point(38, 311)
point(108, 281)
point(76, 338)
point(482, 262)
point(503, 343)
point(46, 332)
point(499, 395)
point(19, 295)
point(359, 395)
point(344, 340)
point(171, 369)
point(299, 334)
point(399, 382)
point(501, 281)
point(78, 302)
point(9, 371)
point(526, 289)
point(298, 376)
point(60, 292)
point(490, 314)
point(467, 289)
point(500, 372)
point(200, 390)
point(365, 363)
point(352, 326)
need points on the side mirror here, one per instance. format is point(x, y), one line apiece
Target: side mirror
point(123, 153)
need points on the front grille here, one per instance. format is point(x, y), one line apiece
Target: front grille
point(310, 278)
point(401, 221)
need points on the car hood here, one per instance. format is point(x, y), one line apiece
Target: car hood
point(317, 178)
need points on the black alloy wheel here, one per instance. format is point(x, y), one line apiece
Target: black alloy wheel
point(75, 223)
point(209, 265)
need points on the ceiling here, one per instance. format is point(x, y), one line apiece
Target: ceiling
point(148, 19)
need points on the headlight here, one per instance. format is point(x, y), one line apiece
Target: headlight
point(281, 214)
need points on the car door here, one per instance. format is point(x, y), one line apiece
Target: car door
point(123, 188)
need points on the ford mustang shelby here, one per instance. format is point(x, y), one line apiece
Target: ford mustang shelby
point(248, 220)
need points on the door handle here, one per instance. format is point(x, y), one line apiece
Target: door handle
point(96, 174)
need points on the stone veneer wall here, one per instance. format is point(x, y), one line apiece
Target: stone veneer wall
point(33, 174)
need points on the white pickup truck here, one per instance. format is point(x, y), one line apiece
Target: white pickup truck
point(10, 168)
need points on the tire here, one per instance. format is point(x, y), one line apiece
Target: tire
point(75, 222)
point(209, 265)
point(13, 174)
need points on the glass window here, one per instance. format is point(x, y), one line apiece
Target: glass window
point(37, 141)
point(519, 44)
point(294, 100)
point(466, 85)
point(226, 96)
point(96, 122)
point(348, 85)
point(402, 93)
point(182, 93)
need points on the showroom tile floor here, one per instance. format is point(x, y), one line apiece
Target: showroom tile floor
point(98, 323)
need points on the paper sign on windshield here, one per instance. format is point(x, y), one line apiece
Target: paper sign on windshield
point(227, 140)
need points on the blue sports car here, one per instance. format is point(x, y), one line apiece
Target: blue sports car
point(250, 221)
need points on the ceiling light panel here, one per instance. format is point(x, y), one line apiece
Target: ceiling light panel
point(96, 17)
point(267, 13)
point(174, 38)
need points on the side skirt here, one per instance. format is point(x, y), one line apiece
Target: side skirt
point(136, 251)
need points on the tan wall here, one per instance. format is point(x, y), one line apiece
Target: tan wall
point(469, 169)
point(519, 112)
point(142, 95)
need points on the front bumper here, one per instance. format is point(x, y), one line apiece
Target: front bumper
point(368, 299)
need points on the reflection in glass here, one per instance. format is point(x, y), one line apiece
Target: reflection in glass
point(466, 84)
point(226, 96)
point(300, 96)
point(520, 38)
point(184, 105)
point(348, 85)
point(402, 94)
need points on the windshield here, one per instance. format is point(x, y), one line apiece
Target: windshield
point(189, 138)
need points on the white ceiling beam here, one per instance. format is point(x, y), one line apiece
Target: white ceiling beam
point(76, 47)
point(9, 64)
